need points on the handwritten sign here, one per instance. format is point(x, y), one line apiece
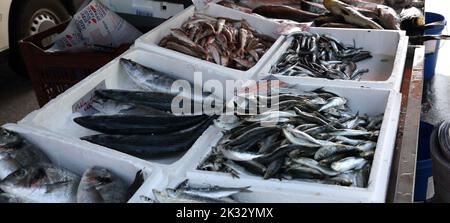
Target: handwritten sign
point(286, 27)
point(201, 4)
point(84, 105)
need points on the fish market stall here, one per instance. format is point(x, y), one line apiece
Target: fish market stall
point(343, 128)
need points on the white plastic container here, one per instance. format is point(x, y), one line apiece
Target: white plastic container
point(79, 156)
point(370, 101)
point(151, 40)
point(386, 68)
point(57, 116)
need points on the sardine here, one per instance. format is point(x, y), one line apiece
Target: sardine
point(315, 165)
point(333, 102)
point(214, 192)
point(172, 196)
point(328, 151)
point(348, 163)
point(239, 156)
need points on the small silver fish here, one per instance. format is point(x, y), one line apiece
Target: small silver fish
point(239, 156)
point(333, 102)
point(315, 165)
point(349, 163)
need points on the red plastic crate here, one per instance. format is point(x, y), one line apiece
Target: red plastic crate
point(54, 73)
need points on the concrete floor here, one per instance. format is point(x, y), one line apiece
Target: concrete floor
point(17, 97)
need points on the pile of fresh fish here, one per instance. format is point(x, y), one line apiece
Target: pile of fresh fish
point(315, 138)
point(186, 193)
point(320, 56)
point(371, 14)
point(28, 176)
point(227, 42)
point(141, 123)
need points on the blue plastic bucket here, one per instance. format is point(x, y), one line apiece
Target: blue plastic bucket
point(432, 47)
point(423, 167)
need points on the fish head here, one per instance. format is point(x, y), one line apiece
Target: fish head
point(8, 165)
point(20, 178)
point(97, 176)
point(9, 139)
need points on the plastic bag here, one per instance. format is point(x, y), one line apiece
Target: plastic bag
point(95, 27)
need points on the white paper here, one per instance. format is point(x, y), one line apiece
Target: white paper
point(95, 26)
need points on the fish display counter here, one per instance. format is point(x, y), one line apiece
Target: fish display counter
point(64, 171)
point(382, 67)
point(312, 186)
point(333, 142)
point(120, 105)
point(240, 61)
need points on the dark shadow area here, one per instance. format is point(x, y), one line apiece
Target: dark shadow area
point(17, 97)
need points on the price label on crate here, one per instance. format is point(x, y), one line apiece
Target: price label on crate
point(202, 4)
point(84, 105)
point(286, 27)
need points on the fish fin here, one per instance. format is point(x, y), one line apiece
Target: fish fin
point(184, 184)
point(246, 190)
point(147, 199)
point(54, 186)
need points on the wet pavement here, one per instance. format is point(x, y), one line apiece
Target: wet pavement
point(436, 101)
point(17, 97)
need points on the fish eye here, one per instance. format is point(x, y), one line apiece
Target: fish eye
point(20, 173)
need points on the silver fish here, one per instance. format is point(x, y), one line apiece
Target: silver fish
point(100, 185)
point(328, 151)
point(239, 156)
point(8, 165)
point(315, 165)
point(215, 192)
point(333, 102)
point(349, 163)
point(237, 169)
point(173, 196)
point(44, 184)
point(368, 146)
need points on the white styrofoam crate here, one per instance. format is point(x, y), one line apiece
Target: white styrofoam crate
point(366, 101)
point(57, 116)
point(79, 156)
point(386, 68)
point(151, 40)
